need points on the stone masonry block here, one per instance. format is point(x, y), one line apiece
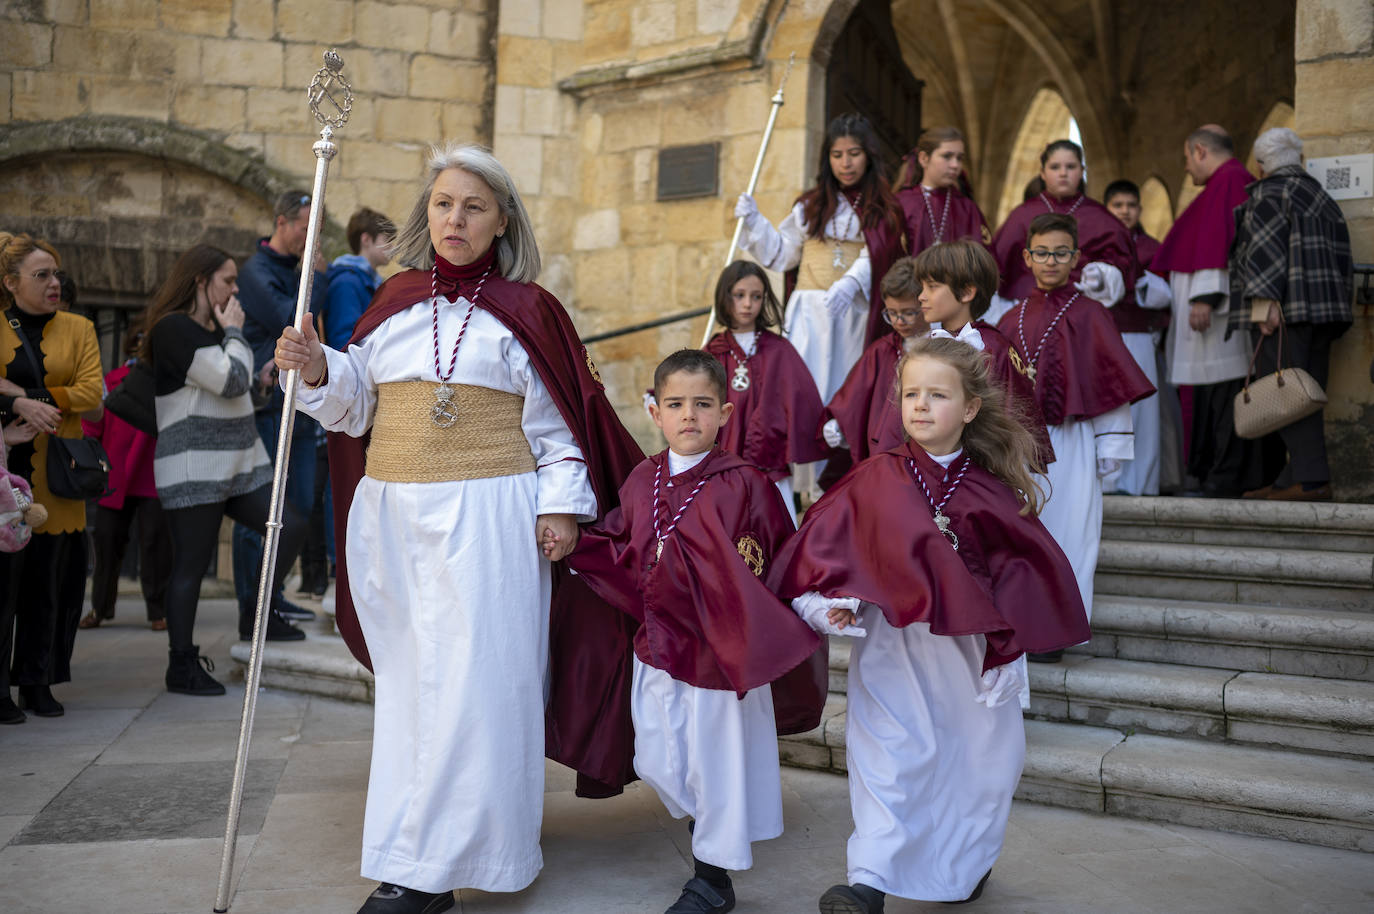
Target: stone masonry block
point(201, 17)
point(523, 157)
point(253, 19)
point(393, 25)
point(521, 17)
point(562, 20)
point(1333, 27)
point(697, 220)
point(278, 111)
point(316, 21)
point(238, 62)
point(407, 120)
point(715, 15)
point(441, 77)
point(653, 23)
point(542, 112)
point(132, 98)
point(1330, 92)
point(602, 279)
point(509, 113)
point(378, 160)
point(630, 128)
point(124, 14)
point(524, 61)
point(371, 72)
point(597, 229)
point(457, 34)
point(43, 95)
point(6, 83)
point(66, 12)
point(92, 50)
point(464, 122)
point(209, 106)
point(26, 44)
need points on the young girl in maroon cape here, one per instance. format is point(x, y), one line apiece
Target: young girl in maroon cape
point(683, 555)
point(933, 548)
point(933, 202)
point(1066, 343)
point(776, 407)
point(840, 237)
point(958, 281)
point(1102, 237)
point(863, 415)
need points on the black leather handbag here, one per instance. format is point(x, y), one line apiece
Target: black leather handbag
point(77, 468)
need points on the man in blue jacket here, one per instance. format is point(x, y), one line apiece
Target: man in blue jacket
point(268, 284)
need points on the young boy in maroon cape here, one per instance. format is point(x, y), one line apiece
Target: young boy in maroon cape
point(775, 404)
point(683, 555)
point(957, 283)
point(933, 547)
point(863, 415)
point(1085, 380)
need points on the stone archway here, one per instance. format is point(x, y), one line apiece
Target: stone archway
point(1156, 212)
point(1046, 119)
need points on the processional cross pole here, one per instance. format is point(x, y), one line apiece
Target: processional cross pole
point(330, 98)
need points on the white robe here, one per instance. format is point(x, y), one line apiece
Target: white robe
point(708, 754)
point(1207, 357)
point(452, 595)
point(931, 770)
point(1073, 505)
point(1140, 474)
point(829, 346)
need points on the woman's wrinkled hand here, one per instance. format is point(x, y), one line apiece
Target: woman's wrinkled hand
point(44, 417)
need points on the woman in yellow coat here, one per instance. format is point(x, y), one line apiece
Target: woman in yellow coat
point(34, 334)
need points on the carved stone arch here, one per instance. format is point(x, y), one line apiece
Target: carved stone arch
point(1156, 207)
point(1046, 119)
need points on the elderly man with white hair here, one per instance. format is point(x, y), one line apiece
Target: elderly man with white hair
point(1291, 265)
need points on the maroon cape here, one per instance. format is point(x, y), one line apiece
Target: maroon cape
point(865, 406)
point(774, 422)
point(1101, 237)
point(873, 536)
point(1127, 313)
point(966, 220)
point(1084, 369)
point(1018, 389)
point(588, 724)
point(1201, 237)
point(705, 617)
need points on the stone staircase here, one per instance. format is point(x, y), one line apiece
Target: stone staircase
point(1229, 682)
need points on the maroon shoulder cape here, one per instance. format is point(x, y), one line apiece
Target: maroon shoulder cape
point(1018, 390)
point(1201, 237)
point(885, 247)
point(1101, 237)
point(873, 536)
point(1127, 314)
point(774, 422)
point(705, 616)
point(966, 222)
point(1083, 368)
point(588, 724)
point(865, 406)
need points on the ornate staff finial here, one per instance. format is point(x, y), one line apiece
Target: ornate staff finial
point(324, 90)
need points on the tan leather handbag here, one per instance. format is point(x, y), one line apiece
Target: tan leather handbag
point(1276, 400)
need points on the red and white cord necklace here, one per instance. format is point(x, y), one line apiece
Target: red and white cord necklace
point(662, 537)
point(1077, 203)
point(852, 226)
point(941, 521)
point(444, 413)
point(1021, 333)
point(740, 381)
point(944, 218)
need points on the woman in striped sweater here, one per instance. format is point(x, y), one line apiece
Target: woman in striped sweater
point(209, 460)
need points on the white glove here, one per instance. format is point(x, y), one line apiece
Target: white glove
point(1106, 466)
point(1103, 282)
point(840, 297)
point(746, 208)
point(832, 434)
point(1152, 292)
point(1001, 684)
point(813, 608)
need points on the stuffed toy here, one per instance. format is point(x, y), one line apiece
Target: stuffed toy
point(19, 513)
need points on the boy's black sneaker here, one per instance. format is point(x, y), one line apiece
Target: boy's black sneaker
point(278, 629)
point(289, 610)
point(852, 899)
point(701, 897)
point(396, 899)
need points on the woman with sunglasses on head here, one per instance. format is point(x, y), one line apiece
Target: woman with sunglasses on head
point(49, 375)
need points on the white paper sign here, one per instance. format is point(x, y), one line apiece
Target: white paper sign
point(1345, 177)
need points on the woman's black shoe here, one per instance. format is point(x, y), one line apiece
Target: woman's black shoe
point(852, 899)
point(39, 700)
point(278, 629)
point(10, 713)
point(396, 899)
point(185, 676)
point(977, 890)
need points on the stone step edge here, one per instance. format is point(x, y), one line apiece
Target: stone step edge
point(319, 665)
point(1334, 517)
point(1251, 626)
point(1309, 568)
point(1314, 799)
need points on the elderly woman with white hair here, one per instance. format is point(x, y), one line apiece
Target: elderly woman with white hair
point(490, 439)
point(1291, 269)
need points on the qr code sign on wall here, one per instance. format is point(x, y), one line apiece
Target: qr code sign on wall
point(1345, 177)
point(1338, 178)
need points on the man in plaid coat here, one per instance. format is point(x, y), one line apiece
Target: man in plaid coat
point(1291, 264)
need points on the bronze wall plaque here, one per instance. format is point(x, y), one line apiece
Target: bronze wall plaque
point(688, 171)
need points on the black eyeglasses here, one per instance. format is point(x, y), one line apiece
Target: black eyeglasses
point(1060, 255)
point(900, 317)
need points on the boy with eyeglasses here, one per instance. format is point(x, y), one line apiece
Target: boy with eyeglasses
point(1085, 379)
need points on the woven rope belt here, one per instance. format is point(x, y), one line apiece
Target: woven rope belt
point(486, 441)
point(818, 270)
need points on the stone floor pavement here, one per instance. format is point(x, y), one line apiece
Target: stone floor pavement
point(118, 808)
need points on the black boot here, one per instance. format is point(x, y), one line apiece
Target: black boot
point(39, 700)
point(396, 899)
point(185, 676)
point(9, 711)
point(278, 629)
point(852, 899)
point(977, 890)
